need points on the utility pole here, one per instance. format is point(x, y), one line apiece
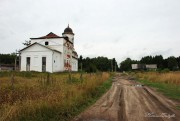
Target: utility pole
point(112, 64)
point(81, 66)
point(81, 72)
point(15, 63)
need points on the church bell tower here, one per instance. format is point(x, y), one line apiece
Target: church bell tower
point(68, 32)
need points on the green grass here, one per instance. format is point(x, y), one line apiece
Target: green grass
point(95, 95)
point(170, 90)
point(178, 107)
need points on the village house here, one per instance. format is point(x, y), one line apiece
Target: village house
point(50, 53)
point(151, 66)
point(6, 67)
point(144, 66)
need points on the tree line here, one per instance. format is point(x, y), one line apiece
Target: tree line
point(97, 64)
point(171, 63)
point(7, 58)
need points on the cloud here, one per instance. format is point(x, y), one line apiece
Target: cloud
point(113, 28)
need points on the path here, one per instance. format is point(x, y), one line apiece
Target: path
point(129, 101)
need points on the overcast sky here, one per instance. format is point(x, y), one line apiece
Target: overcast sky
point(111, 28)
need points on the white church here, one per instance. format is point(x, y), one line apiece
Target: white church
point(50, 53)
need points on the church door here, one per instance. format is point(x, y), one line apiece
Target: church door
point(28, 60)
point(43, 64)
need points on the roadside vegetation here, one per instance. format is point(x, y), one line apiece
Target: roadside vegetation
point(166, 82)
point(26, 96)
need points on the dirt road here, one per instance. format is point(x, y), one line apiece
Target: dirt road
point(129, 101)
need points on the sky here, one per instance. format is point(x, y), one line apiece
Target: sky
point(111, 28)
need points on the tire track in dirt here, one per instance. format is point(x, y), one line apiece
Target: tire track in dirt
point(127, 101)
point(121, 112)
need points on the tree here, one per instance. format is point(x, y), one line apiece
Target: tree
point(80, 60)
point(126, 65)
point(158, 59)
point(172, 63)
point(178, 61)
point(102, 63)
point(146, 60)
point(7, 58)
point(27, 43)
point(97, 64)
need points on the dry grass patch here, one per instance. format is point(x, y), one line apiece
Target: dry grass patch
point(168, 83)
point(168, 78)
point(47, 97)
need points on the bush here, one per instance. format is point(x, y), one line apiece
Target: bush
point(166, 70)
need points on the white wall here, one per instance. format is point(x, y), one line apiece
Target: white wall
point(134, 66)
point(73, 61)
point(74, 64)
point(151, 66)
point(54, 43)
point(36, 52)
point(57, 62)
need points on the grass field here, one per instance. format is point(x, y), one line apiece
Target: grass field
point(168, 83)
point(167, 77)
point(26, 96)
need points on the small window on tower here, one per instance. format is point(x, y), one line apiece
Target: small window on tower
point(46, 43)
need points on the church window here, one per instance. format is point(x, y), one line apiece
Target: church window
point(46, 43)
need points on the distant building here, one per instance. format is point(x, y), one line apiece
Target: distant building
point(151, 66)
point(138, 66)
point(50, 53)
point(144, 66)
point(6, 67)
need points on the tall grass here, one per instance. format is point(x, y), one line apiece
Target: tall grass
point(168, 83)
point(168, 77)
point(40, 96)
